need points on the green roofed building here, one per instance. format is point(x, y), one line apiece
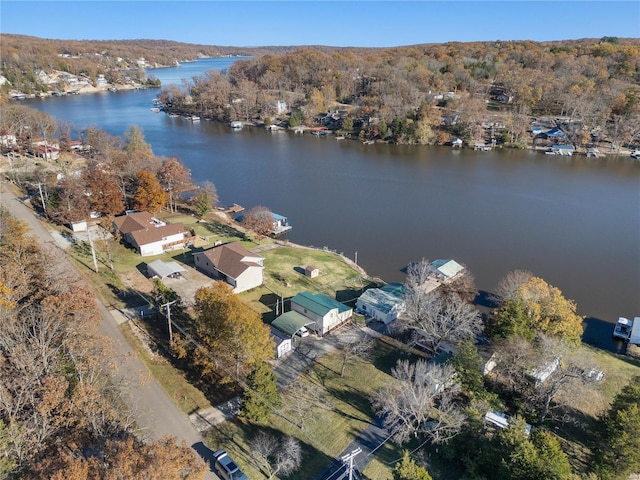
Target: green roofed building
point(326, 312)
point(291, 322)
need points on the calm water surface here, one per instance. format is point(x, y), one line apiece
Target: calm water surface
point(574, 222)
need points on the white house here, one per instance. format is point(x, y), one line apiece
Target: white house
point(383, 304)
point(149, 235)
point(232, 263)
point(326, 312)
point(281, 106)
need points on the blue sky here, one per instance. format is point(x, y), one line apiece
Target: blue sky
point(335, 23)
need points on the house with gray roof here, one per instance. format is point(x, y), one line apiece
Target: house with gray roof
point(383, 304)
point(232, 263)
point(327, 313)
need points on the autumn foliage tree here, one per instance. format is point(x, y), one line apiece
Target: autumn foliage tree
point(259, 220)
point(62, 409)
point(233, 334)
point(149, 196)
point(176, 178)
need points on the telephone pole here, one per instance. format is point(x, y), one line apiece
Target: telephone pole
point(349, 458)
point(168, 306)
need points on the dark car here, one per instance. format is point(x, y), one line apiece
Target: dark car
point(227, 468)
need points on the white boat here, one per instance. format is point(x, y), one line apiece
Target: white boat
point(236, 125)
point(194, 118)
point(636, 154)
point(155, 110)
point(623, 327)
point(173, 115)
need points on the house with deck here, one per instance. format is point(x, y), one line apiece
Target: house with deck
point(327, 313)
point(232, 263)
point(445, 270)
point(150, 236)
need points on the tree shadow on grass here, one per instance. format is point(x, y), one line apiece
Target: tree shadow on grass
point(224, 230)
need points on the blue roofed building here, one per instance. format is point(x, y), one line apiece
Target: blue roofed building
point(327, 313)
point(445, 270)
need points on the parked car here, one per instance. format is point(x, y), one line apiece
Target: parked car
point(302, 332)
point(227, 468)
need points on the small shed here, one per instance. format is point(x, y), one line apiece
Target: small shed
point(311, 271)
point(282, 342)
point(161, 269)
point(79, 226)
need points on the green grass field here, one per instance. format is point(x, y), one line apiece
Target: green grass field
point(327, 431)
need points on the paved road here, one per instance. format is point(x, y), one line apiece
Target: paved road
point(156, 414)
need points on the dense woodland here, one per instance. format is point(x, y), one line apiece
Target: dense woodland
point(424, 94)
point(63, 412)
point(429, 93)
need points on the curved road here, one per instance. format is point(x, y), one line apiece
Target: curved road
point(156, 414)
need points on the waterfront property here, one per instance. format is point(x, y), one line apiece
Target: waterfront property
point(384, 304)
point(148, 235)
point(445, 270)
point(327, 313)
point(232, 263)
point(280, 224)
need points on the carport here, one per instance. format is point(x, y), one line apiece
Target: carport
point(161, 269)
point(291, 322)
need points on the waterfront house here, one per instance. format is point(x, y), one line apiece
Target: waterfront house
point(327, 313)
point(564, 150)
point(232, 263)
point(445, 270)
point(383, 304)
point(149, 235)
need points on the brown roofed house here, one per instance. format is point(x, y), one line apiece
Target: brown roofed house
point(232, 263)
point(149, 235)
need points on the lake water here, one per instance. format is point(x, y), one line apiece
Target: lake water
point(573, 221)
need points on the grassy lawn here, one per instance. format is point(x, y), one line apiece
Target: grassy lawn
point(284, 277)
point(327, 432)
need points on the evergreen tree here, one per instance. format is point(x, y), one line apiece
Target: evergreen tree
point(408, 470)
point(552, 462)
point(511, 320)
point(617, 456)
point(468, 365)
point(261, 394)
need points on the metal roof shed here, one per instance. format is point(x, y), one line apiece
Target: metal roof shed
point(291, 322)
point(161, 269)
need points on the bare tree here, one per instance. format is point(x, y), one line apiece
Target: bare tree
point(420, 402)
point(276, 457)
point(302, 399)
point(354, 344)
point(510, 283)
point(439, 317)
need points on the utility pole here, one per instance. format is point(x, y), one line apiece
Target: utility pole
point(349, 458)
point(356, 257)
point(168, 306)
